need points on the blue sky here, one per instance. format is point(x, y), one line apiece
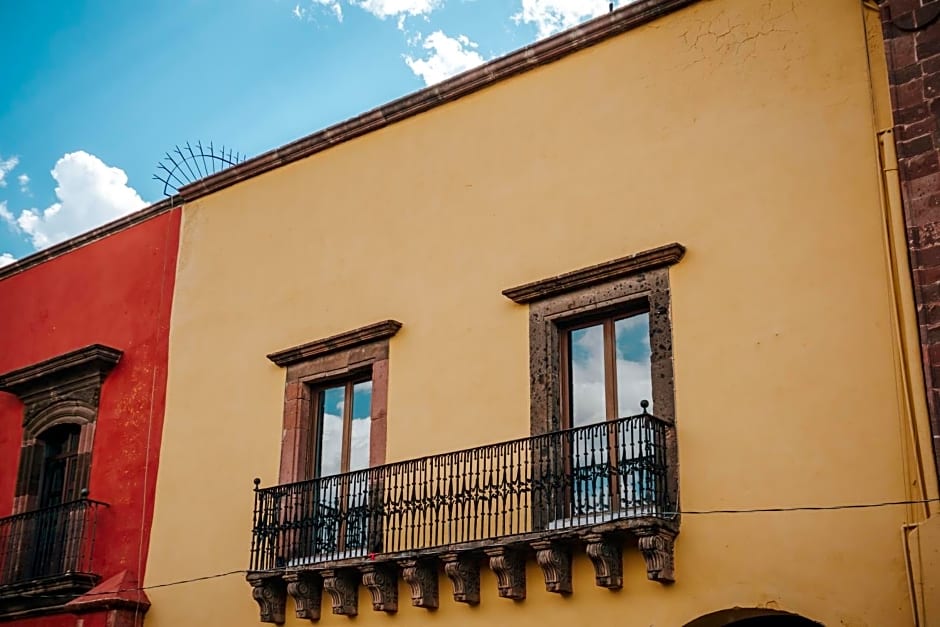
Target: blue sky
point(94, 92)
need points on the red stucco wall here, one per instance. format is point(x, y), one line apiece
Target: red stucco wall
point(115, 291)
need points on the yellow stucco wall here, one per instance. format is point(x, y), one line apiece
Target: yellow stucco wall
point(741, 129)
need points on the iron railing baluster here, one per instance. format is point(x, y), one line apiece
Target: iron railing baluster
point(553, 481)
point(49, 542)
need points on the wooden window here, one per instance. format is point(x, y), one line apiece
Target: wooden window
point(600, 342)
point(60, 409)
point(605, 376)
point(605, 368)
point(343, 426)
point(62, 479)
point(335, 397)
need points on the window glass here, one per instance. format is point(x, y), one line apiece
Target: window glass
point(331, 430)
point(587, 375)
point(361, 425)
point(59, 475)
point(634, 381)
point(609, 374)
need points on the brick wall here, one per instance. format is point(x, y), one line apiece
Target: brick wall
point(912, 44)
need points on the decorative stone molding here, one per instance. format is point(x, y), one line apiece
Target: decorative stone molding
point(421, 576)
point(74, 377)
point(306, 588)
point(509, 566)
point(657, 545)
point(606, 556)
point(382, 582)
point(555, 561)
point(464, 573)
point(271, 595)
point(359, 352)
point(336, 343)
point(63, 390)
point(343, 588)
point(593, 275)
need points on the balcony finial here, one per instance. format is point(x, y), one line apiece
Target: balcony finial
point(644, 404)
point(257, 482)
point(83, 493)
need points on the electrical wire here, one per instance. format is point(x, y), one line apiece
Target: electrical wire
point(684, 512)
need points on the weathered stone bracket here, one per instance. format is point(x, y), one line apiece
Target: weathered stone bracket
point(306, 589)
point(382, 582)
point(509, 566)
point(271, 595)
point(657, 546)
point(555, 561)
point(464, 572)
point(606, 556)
point(343, 588)
point(421, 576)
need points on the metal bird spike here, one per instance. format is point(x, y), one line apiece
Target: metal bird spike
point(185, 164)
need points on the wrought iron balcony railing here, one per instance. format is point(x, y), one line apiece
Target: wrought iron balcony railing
point(51, 543)
point(539, 486)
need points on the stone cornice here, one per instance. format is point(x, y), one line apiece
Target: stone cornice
point(93, 359)
point(522, 60)
point(93, 235)
point(540, 53)
point(343, 341)
point(593, 275)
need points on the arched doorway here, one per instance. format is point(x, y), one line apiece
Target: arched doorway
point(752, 617)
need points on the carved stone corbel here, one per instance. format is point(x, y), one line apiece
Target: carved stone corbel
point(421, 576)
point(382, 582)
point(606, 556)
point(271, 595)
point(657, 546)
point(555, 561)
point(307, 591)
point(343, 588)
point(464, 572)
point(509, 566)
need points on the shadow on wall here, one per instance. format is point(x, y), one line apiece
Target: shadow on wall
point(752, 617)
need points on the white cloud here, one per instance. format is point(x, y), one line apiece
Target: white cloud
point(399, 9)
point(23, 180)
point(6, 259)
point(333, 5)
point(551, 16)
point(448, 56)
point(6, 166)
point(5, 214)
point(389, 8)
point(90, 193)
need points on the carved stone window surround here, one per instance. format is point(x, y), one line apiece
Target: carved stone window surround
point(636, 282)
point(362, 350)
point(639, 281)
point(65, 389)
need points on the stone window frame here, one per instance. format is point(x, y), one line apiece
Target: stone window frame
point(332, 359)
point(65, 389)
point(621, 285)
